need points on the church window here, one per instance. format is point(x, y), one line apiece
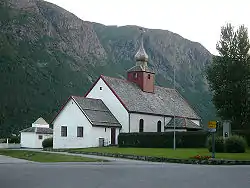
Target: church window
point(63, 131)
point(79, 131)
point(135, 75)
point(159, 126)
point(141, 125)
point(148, 76)
point(100, 88)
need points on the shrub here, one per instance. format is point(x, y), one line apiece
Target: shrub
point(48, 143)
point(14, 139)
point(243, 133)
point(195, 139)
point(219, 144)
point(235, 144)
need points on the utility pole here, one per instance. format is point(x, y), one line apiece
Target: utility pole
point(174, 144)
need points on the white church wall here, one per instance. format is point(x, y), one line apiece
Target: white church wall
point(150, 122)
point(102, 91)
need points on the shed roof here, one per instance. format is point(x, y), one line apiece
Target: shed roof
point(38, 130)
point(182, 123)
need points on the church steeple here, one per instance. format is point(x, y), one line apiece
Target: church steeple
point(140, 73)
point(141, 56)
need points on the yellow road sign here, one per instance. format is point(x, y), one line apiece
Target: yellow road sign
point(212, 124)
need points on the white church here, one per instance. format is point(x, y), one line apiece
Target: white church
point(114, 105)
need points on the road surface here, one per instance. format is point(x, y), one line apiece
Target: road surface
point(23, 174)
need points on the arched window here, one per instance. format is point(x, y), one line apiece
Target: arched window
point(135, 75)
point(141, 125)
point(159, 126)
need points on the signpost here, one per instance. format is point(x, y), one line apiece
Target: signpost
point(212, 129)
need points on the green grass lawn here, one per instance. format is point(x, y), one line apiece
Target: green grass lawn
point(169, 153)
point(45, 157)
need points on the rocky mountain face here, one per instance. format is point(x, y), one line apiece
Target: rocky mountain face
point(47, 54)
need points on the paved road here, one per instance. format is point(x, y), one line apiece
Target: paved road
point(114, 175)
point(10, 160)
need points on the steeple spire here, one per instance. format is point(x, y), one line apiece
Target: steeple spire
point(141, 55)
point(140, 74)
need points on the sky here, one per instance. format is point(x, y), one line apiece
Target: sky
point(196, 20)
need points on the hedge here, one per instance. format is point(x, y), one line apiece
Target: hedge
point(194, 139)
point(219, 144)
point(243, 133)
point(235, 144)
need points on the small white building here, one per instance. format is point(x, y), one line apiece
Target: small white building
point(84, 122)
point(33, 137)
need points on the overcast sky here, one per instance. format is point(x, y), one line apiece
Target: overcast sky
point(196, 20)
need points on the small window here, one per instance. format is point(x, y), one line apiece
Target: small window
point(105, 129)
point(141, 126)
point(135, 75)
point(63, 131)
point(79, 131)
point(40, 137)
point(159, 126)
point(148, 76)
point(100, 88)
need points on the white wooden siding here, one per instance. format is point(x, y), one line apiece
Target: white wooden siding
point(111, 101)
point(31, 139)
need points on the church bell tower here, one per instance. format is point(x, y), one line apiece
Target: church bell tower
point(140, 73)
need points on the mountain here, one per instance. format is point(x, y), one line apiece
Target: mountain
point(47, 54)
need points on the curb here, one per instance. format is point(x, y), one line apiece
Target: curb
point(162, 159)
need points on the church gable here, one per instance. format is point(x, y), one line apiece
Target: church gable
point(101, 90)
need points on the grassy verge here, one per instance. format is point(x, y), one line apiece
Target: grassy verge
point(168, 152)
point(45, 157)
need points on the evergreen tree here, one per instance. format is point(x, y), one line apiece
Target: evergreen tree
point(228, 77)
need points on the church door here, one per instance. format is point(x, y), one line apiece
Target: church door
point(113, 136)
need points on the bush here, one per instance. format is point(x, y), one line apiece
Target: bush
point(219, 144)
point(48, 143)
point(195, 139)
point(243, 133)
point(235, 144)
point(14, 139)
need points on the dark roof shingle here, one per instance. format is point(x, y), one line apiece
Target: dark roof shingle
point(38, 130)
point(97, 112)
point(182, 123)
point(160, 102)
